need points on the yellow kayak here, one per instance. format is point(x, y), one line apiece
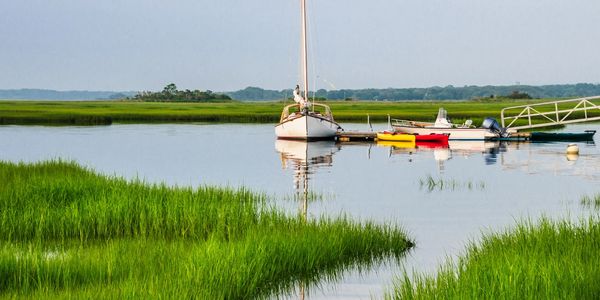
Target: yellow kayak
point(395, 137)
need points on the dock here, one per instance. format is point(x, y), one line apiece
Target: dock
point(355, 136)
point(370, 136)
point(517, 136)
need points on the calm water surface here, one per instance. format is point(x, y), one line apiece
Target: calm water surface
point(487, 185)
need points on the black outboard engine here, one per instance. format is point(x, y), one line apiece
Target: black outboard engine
point(493, 126)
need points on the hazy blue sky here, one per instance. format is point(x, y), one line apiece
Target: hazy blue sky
point(225, 45)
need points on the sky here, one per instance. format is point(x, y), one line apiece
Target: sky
point(226, 45)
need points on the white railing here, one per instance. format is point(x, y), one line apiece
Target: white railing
point(324, 111)
point(549, 114)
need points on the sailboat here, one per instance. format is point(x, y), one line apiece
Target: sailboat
point(306, 120)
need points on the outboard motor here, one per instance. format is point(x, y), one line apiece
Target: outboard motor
point(493, 126)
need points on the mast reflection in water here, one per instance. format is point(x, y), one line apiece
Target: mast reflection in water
point(304, 158)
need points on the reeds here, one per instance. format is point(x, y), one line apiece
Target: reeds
point(431, 184)
point(547, 260)
point(68, 232)
point(56, 200)
point(591, 201)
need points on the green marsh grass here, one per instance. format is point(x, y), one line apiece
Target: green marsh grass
point(547, 260)
point(107, 112)
point(67, 232)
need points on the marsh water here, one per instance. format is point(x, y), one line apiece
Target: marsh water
point(443, 197)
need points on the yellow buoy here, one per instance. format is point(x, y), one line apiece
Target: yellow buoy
point(572, 157)
point(572, 149)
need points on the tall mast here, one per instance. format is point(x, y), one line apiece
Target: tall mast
point(304, 50)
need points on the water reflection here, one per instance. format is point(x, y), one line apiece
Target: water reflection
point(304, 158)
point(532, 158)
point(489, 149)
point(444, 152)
point(551, 158)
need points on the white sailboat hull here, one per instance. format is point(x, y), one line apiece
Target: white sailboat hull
point(455, 133)
point(306, 127)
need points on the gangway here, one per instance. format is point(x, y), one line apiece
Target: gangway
point(551, 113)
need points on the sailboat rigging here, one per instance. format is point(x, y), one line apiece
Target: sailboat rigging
point(304, 120)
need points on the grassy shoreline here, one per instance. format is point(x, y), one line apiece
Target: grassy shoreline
point(67, 232)
point(108, 112)
point(548, 260)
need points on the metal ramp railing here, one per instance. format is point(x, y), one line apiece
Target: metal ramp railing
point(551, 113)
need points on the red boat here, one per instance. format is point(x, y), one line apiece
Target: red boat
point(432, 138)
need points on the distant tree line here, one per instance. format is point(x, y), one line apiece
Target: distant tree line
point(170, 93)
point(431, 93)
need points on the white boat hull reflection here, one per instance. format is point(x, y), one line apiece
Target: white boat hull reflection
point(306, 154)
point(304, 157)
point(470, 147)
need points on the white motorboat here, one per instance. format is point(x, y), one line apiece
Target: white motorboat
point(442, 126)
point(305, 120)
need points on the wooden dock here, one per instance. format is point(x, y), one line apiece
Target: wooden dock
point(369, 136)
point(348, 136)
point(518, 136)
